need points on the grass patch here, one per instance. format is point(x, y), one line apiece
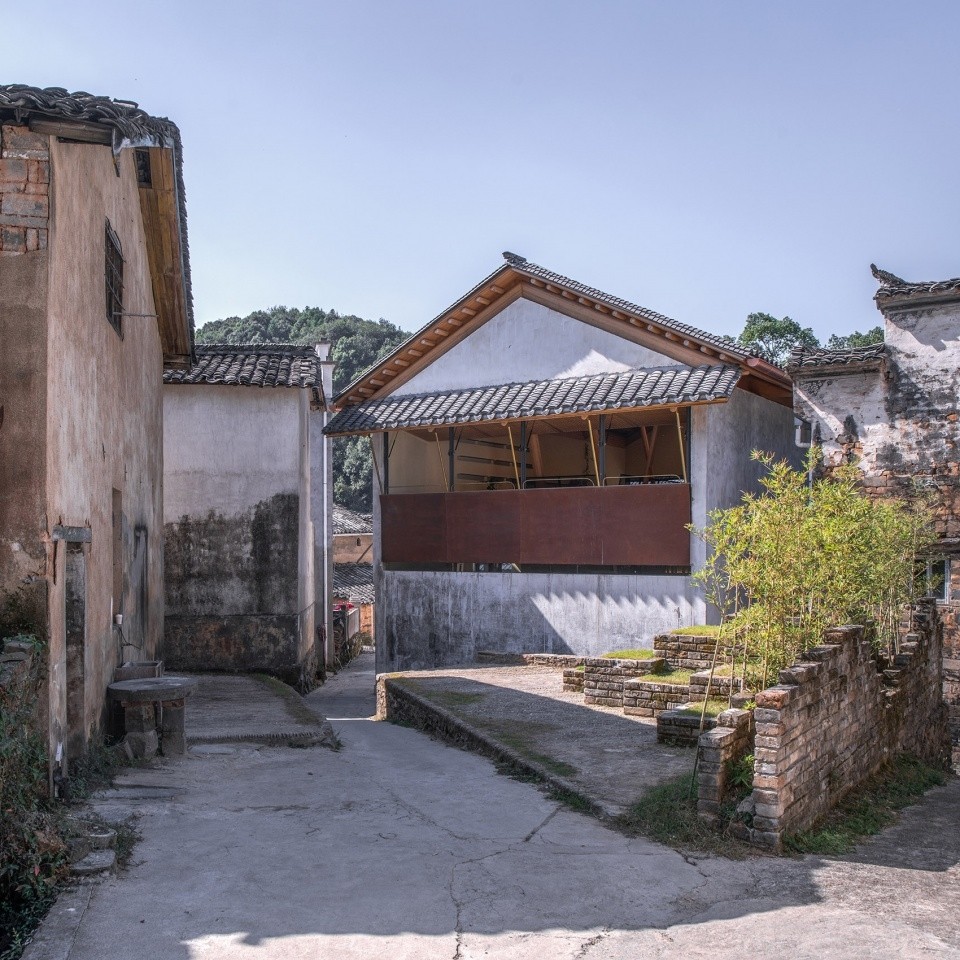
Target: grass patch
point(292, 700)
point(631, 655)
point(454, 698)
point(667, 813)
point(869, 809)
point(678, 677)
point(714, 708)
point(705, 631)
point(520, 741)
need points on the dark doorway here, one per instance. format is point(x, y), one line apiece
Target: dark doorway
point(75, 599)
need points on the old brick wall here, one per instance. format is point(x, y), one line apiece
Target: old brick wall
point(685, 652)
point(720, 748)
point(24, 190)
point(837, 717)
point(603, 678)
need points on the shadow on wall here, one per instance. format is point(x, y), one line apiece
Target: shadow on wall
point(431, 620)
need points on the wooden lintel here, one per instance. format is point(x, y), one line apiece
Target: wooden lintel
point(80, 131)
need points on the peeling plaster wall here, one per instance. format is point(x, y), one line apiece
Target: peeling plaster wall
point(528, 341)
point(901, 424)
point(238, 530)
point(103, 425)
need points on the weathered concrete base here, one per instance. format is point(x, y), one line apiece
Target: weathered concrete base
point(240, 644)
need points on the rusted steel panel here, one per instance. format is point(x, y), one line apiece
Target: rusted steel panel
point(610, 526)
point(561, 526)
point(646, 525)
point(413, 527)
point(484, 527)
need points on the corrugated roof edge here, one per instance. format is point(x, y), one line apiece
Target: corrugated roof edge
point(522, 265)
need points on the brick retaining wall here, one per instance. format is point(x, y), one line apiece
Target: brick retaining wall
point(837, 717)
point(603, 679)
point(646, 698)
point(686, 652)
point(728, 742)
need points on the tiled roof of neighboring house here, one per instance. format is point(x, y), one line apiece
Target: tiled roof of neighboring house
point(353, 582)
point(541, 398)
point(893, 287)
point(346, 521)
point(803, 359)
point(126, 126)
point(252, 365)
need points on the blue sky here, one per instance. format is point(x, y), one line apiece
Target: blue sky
point(703, 159)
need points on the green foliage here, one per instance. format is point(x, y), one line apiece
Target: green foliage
point(705, 631)
point(714, 708)
point(357, 345)
point(32, 850)
point(787, 564)
point(869, 809)
point(741, 774)
point(773, 339)
point(856, 339)
point(667, 813)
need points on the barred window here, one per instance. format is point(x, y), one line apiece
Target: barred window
point(113, 276)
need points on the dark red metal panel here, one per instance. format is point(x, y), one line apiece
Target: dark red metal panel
point(484, 527)
point(561, 526)
point(609, 526)
point(413, 528)
point(646, 525)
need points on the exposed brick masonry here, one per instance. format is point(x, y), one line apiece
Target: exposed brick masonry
point(24, 190)
point(835, 718)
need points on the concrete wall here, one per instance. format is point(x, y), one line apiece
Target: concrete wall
point(432, 618)
point(353, 548)
point(528, 341)
point(238, 530)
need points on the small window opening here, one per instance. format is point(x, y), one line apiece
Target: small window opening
point(144, 173)
point(113, 276)
point(938, 578)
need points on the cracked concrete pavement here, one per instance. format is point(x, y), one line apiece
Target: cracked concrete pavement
point(404, 847)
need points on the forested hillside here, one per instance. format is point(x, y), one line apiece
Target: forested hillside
point(357, 344)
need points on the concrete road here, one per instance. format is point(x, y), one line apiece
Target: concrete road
point(401, 847)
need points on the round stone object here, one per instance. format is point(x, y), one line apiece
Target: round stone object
point(152, 689)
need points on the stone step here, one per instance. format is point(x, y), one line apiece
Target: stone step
point(95, 863)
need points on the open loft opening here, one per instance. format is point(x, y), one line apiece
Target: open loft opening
point(597, 450)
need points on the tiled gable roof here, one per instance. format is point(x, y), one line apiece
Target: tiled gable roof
point(346, 521)
point(127, 125)
point(420, 344)
point(535, 270)
point(803, 359)
point(631, 389)
point(252, 365)
point(893, 287)
point(353, 582)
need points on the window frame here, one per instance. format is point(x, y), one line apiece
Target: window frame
point(113, 278)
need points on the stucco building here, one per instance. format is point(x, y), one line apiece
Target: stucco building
point(539, 449)
point(248, 511)
point(94, 304)
point(893, 408)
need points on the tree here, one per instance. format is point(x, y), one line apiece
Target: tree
point(856, 339)
point(357, 345)
point(798, 558)
point(773, 339)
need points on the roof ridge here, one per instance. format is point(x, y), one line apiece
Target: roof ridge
point(280, 347)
